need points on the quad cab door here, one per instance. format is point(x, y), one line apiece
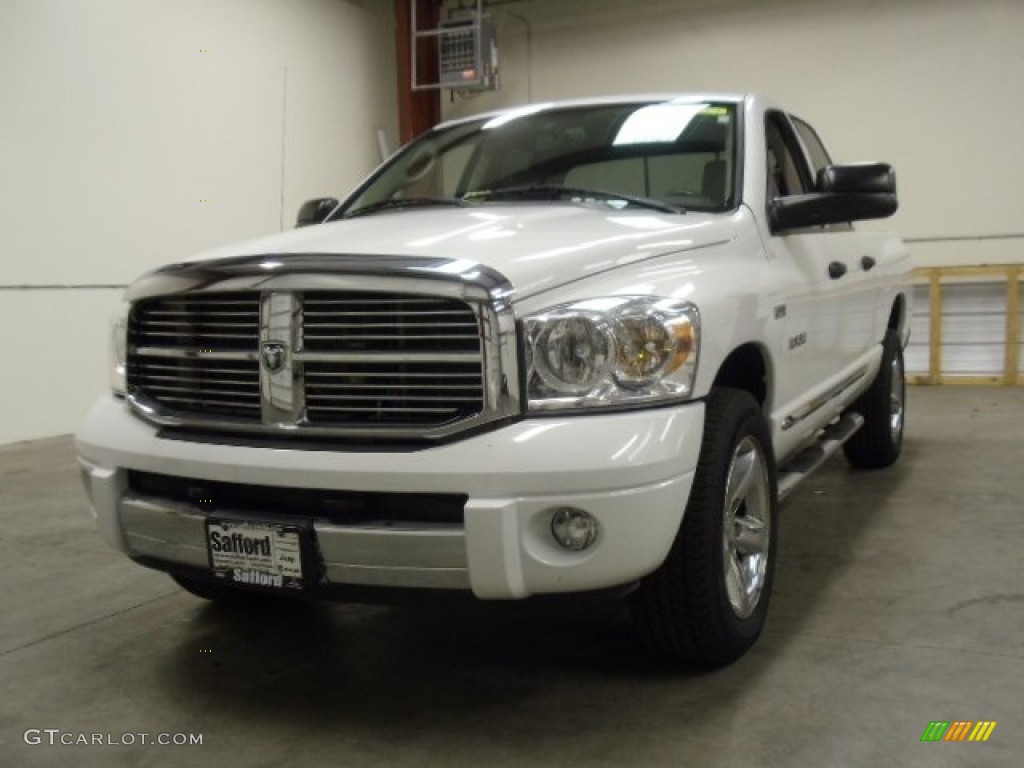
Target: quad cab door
point(825, 313)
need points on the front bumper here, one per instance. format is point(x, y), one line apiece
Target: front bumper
point(631, 470)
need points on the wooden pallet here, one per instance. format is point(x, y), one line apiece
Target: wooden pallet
point(934, 277)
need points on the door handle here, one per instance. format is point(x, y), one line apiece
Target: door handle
point(836, 270)
point(867, 263)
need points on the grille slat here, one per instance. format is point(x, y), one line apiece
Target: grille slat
point(211, 335)
point(348, 338)
point(207, 391)
point(187, 314)
point(369, 300)
point(208, 302)
point(404, 398)
point(352, 409)
point(156, 378)
point(214, 398)
point(188, 324)
point(385, 313)
point(363, 360)
point(392, 357)
point(433, 327)
point(205, 403)
point(198, 353)
point(169, 369)
point(431, 387)
point(361, 374)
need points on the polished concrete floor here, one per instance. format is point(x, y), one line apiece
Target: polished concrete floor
point(899, 600)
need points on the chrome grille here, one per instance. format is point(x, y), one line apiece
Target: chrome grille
point(196, 354)
point(357, 360)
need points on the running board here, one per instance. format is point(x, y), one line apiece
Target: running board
point(804, 463)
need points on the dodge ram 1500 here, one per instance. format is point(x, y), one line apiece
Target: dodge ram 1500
point(563, 348)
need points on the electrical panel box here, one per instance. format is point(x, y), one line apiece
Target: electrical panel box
point(468, 54)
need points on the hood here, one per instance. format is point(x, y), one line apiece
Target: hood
point(537, 247)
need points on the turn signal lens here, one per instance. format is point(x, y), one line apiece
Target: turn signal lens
point(644, 350)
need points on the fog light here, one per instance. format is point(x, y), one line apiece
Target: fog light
point(574, 529)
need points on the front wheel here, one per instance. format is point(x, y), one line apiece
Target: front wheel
point(707, 603)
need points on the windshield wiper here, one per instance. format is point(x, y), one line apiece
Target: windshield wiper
point(558, 191)
point(404, 202)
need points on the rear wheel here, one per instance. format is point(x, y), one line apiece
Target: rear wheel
point(878, 443)
point(707, 603)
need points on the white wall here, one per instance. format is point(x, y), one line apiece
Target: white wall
point(932, 86)
point(134, 133)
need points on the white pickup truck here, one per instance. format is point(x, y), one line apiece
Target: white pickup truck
point(572, 347)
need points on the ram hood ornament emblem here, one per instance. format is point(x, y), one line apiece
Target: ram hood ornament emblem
point(273, 356)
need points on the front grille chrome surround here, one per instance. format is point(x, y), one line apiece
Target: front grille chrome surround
point(346, 349)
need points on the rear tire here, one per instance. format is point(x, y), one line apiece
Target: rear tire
point(707, 603)
point(878, 443)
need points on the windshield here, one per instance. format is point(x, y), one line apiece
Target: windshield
point(668, 155)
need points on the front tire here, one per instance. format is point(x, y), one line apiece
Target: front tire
point(879, 442)
point(707, 603)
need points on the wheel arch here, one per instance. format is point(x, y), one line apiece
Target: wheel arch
point(898, 320)
point(747, 367)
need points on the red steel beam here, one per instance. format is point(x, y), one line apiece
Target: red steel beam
point(417, 110)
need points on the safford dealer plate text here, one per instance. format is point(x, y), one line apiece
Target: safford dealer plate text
point(260, 554)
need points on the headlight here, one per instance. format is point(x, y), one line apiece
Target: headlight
point(608, 352)
point(119, 350)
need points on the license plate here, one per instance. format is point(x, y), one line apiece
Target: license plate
point(258, 554)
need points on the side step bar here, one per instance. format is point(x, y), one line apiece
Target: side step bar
point(812, 457)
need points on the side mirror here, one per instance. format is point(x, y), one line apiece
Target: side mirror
point(857, 179)
point(844, 193)
point(315, 211)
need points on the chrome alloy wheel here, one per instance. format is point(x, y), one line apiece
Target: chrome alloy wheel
point(897, 394)
point(746, 527)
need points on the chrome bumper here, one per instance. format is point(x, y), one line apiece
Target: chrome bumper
point(631, 470)
point(431, 556)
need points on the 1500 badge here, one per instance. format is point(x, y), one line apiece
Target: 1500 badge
point(797, 341)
